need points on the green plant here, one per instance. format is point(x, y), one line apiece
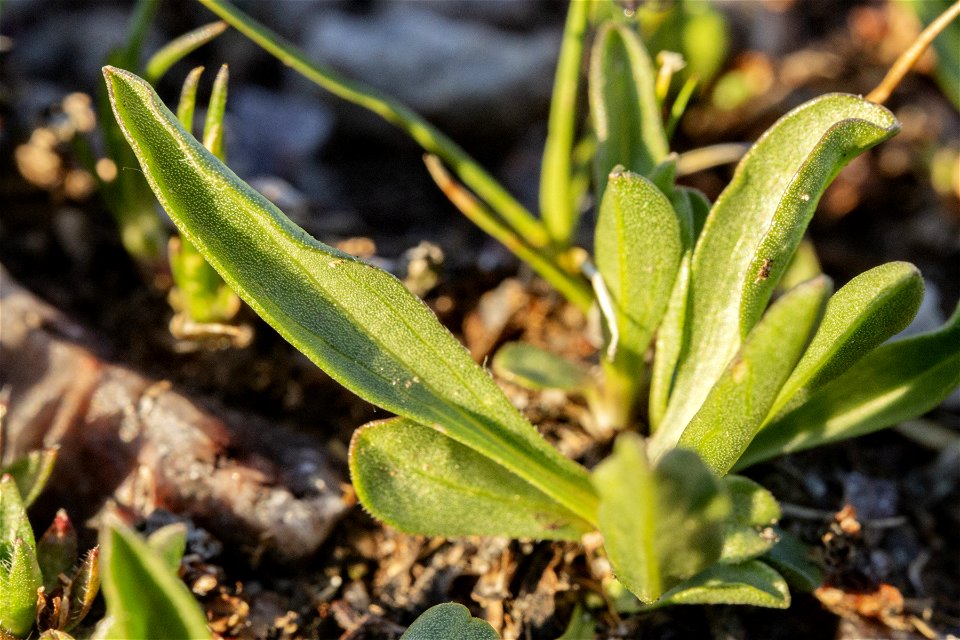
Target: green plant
point(733, 380)
point(41, 582)
point(449, 621)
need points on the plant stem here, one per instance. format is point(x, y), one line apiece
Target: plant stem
point(909, 57)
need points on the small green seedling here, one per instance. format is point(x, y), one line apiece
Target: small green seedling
point(733, 380)
point(449, 621)
point(42, 584)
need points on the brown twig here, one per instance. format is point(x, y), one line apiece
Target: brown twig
point(909, 57)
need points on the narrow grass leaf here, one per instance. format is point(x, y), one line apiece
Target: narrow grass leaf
point(449, 621)
point(557, 205)
point(623, 104)
point(420, 481)
point(750, 583)
point(738, 404)
point(216, 110)
point(748, 532)
point(179, 48)
point(188, 99)
point(753, 230)
point(355, 321)
point(144, 598)
point(893, 383)
point(538, 369)
point(865, 312)
point(660, 526)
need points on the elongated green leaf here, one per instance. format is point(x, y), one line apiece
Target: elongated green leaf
point(20, 579)
point(188, 99)
point(623, 104)
point(895, 382)
point(738, 404)
point(803, 266)
point(557, 206)
point(421, 481)
point(670, 339)
point(538, 369)
point(31, 472)
point(449, 621)
point(752, 231)
point(216, 109)
point(357, 322)
point(869, 309)
point(144, 598)
point(637, 248)
point(751, 583)
point(179, 48)
point(84, 588)
point(794, 560)
point(170, 543)
point(13, 519)
point(748, 531)
point(660, 526)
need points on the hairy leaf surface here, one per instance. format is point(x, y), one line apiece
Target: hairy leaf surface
point(449, 621)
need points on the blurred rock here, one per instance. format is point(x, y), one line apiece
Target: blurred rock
point(138, 442)
point(460, 75)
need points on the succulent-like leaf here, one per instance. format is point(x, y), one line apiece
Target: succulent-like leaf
point(753, 230)
point(144, 598)
point(637, 248)
point(31, 472)
point(623, 104)
point(558, 207)
point(188, 98)
point(449, 621)
point(357, 322)
point(179, 48)
point(866, 311)
point(751, 583)
point(14, 524)
point(895, 382)
point(20, 579)
point(748, 531)
point(794, 561)
point(216, 110)
point(738, 404)
point(535, 368)
point(170, 543)
point(421, 481)
point(57, 550)
point(83, 589)
point(660, 526)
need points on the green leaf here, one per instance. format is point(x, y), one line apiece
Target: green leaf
point(749, 531)
point(660, 526)
point(20, 579)
point(355, 321)
point(623, 104)
point(869, 309)
point(420, 481)
point(538, 369)
point(637, 248)
point(558, 208)
point(582, 624)
point(188, 99)
point(170, 543)
point(20, 575)
point(670, 339)
point(57, 550)
point(803, 266)
point(32, 472)
point(83, 588)
point(738, 404)
point(179, 48)
point(144, 598)
point(449, 621)
point(216, 109)
point(750, 583)
point(752, 232)
point(795, 561)
point(893, 383)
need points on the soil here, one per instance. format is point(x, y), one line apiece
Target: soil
point(370, 581)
